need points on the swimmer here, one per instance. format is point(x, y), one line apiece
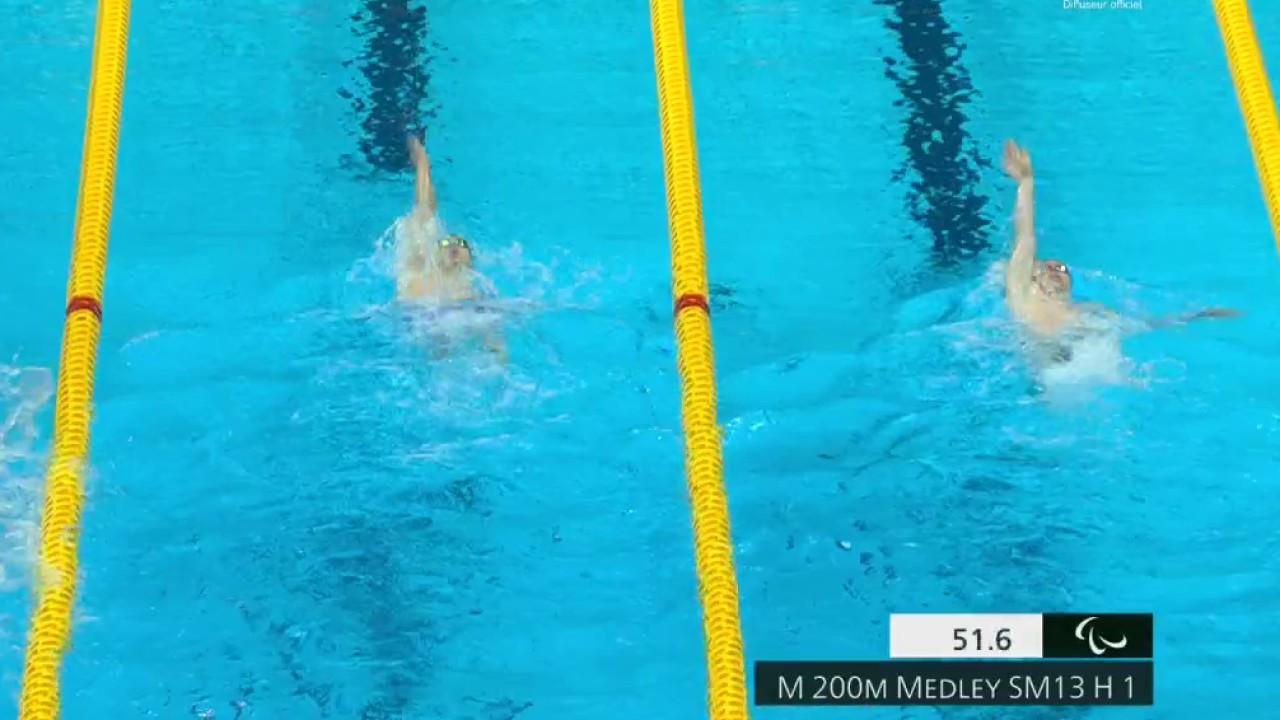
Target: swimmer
point(1039, 291)
point(435, 266)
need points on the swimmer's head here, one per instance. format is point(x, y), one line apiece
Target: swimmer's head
point(455, 252)
point(1053, 277)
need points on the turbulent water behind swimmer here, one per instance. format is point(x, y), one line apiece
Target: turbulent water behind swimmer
point(1091, 354)
point(1094, 355)
point(438, 356)
point(529, 286)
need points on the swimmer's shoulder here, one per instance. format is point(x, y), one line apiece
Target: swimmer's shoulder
point(1096, 319)
point(1093, 309)
point(1093, 316)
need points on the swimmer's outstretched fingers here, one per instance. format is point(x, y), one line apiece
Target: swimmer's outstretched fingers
point(1017, 161)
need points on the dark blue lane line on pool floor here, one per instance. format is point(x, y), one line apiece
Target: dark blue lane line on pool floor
point(935, 87)
point(394, 66)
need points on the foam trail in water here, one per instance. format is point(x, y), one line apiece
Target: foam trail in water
point(1095, 357)
point(24, 392)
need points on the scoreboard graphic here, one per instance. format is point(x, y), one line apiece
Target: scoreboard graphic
point(982, 659)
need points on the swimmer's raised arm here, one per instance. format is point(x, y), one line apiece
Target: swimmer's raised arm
point(424, 201)
point(1017, 163)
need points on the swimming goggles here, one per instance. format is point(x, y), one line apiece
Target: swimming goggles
point(455, 240)
point(1055, 266)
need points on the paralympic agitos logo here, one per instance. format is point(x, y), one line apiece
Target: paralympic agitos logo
point(1098, 635)
point(1097, 643)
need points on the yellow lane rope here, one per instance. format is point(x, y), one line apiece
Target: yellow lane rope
point(713, 546)
point(50, 631)
point(1256, 102)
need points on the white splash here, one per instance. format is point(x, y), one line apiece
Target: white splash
point(24, 393)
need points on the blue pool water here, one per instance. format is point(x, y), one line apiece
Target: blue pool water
point(294, 511)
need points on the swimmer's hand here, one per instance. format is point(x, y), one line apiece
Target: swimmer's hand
point(1216, 313)
point(417, 153)
point(1209, 314)
point(1017, 161)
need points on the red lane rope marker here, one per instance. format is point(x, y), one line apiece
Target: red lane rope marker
point(689, 300)
point(83, 302)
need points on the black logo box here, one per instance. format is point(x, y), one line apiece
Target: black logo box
point(1099, 637)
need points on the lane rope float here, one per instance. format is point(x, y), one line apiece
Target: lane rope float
point(1257, 105)
point(712, 539)
point(56, 574)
